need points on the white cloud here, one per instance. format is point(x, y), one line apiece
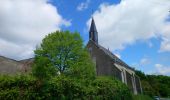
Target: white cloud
point(161, 69)
point(132, 20)
point(144, 61)
point(165, 45)
point(84, 5)
point(23, 24)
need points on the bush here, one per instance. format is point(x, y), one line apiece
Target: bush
point(101, 88)
point(17, 87)
point(62, 87)
point(112, 89)
point(22, 87)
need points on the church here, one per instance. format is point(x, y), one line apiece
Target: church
point(108, 64)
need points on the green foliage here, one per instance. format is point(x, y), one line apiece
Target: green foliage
point(63, 49)
point(141, 75)
point(42, 68)
point(62, 87)
point(147, 88)
point(155, 85)
point(110, 89)
point(83, 69)
point(17, 87)
point(160, 84)
point(62, 52)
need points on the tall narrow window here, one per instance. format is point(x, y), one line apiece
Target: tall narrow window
point(90, 50)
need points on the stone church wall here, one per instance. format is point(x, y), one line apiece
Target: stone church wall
point(104, 64)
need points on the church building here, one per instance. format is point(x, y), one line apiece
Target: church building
point(108, 64)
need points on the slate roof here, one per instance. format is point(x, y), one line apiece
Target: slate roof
point(112, 56)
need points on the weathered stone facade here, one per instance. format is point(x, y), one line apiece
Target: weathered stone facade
point(10, 66)
point(107, 64)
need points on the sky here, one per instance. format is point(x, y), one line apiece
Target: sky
point(137, 31)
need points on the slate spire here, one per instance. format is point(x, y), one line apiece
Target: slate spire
point(93, 34)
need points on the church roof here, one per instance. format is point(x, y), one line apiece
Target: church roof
point(112, 56)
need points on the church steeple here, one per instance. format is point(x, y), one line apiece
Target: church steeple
point(93, 34)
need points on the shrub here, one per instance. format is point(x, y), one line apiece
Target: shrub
point(25, 87)
point(110, 89)
point(16, 87)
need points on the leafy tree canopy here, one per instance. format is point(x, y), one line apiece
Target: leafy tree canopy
point(62, 52)
point(155, 84)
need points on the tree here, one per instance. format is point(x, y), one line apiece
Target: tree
point(154, 84)
point(140, 74)
point(65, 52)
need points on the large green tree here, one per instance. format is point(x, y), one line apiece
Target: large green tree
point(62, 52)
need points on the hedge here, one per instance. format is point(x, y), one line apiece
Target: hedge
point(26, 87)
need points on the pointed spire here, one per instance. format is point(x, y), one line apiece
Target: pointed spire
point(93, 26)
point(93, 34)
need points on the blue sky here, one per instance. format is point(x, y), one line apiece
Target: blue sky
point(136, 31)
point(69, 10)
point(142, 55)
